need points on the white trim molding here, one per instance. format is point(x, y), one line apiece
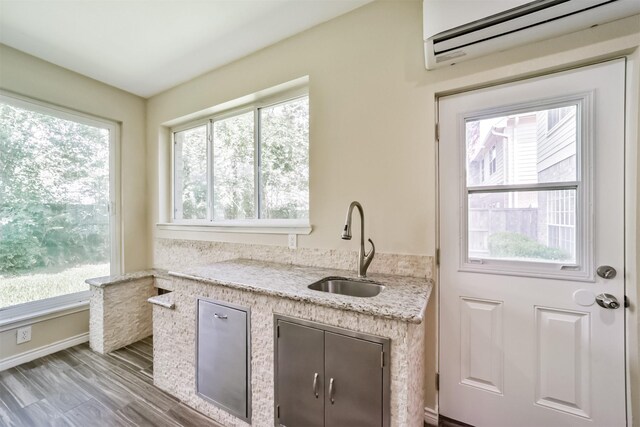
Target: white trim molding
point(258, 226)
point(31, 312)
point(431, 416)
point(43, 316)
point(46, 350)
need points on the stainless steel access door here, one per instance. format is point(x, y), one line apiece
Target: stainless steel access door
point(222, 371)
point(353, 376)
point(300, 371)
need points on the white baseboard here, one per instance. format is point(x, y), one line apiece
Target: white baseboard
point(430, 416)
point(30, 355)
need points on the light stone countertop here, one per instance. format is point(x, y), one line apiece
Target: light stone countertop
point(164, 300)
point(101, 282)
point(403, 298)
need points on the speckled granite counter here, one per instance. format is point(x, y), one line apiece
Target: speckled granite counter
point(165, 301)
point(403, 298)
point(101, 282)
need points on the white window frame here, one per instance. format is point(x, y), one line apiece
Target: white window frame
point(37, 308)
point(255, 225)
point(582, 269)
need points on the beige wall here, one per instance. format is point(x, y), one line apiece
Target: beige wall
point(28, 76)
point(368, 135)
point(372, 121)
point(45, 332)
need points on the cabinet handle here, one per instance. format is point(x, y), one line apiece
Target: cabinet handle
point(331, 391)
point(315, 385)
point(220, 316)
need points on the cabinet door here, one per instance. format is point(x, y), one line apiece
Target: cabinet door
point(222, 363)
point(300, 363)
point(355, 367)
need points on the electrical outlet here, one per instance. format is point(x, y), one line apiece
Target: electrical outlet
point(24, 335)
point(293, 241)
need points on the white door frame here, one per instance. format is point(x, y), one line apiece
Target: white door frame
point(579, 59)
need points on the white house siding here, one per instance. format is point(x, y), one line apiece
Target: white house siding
point(525, 151)
point(556, 161)
point(557, 144)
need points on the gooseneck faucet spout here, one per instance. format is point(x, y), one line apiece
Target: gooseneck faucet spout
point(364, 259)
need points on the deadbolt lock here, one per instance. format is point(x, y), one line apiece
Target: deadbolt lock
point(606, 272)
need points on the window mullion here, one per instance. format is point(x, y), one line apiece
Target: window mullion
point(546, 186)
point(176, 178)
point(256, 162)
point(210, 194)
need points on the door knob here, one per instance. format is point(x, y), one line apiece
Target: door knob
point(606, 272)
point(607, 301)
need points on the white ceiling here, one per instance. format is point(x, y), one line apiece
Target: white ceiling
point(148, 46)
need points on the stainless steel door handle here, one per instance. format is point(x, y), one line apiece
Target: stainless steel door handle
point(315, 385)
point(220, 316)
point(331, 391)
point(606, 272)
point(607, 301)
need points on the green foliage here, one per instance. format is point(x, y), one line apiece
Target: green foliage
point(194, 173)
point(54, 189)
point(233, 168)
point(285, 160)
point(284, 165)
point(514, 245)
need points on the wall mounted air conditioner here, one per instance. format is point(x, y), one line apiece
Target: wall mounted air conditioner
point(456, 30)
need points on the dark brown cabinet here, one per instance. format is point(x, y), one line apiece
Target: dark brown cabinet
point(327, 376)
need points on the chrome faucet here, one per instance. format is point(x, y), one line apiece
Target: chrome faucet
point(364, 259)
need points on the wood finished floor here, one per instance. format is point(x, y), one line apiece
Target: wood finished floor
point(78, 387)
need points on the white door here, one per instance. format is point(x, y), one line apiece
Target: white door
point(531, 204)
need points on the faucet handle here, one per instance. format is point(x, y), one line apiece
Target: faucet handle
point(367, 258)
point(372, 252)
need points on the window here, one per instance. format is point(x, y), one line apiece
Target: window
point(529, 211)
point(249, 164)
point(494, 160)
point(55, 193)
point(561, 221)
point(191, 173)
point(555, 115)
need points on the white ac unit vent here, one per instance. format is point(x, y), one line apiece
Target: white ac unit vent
point(456, 30)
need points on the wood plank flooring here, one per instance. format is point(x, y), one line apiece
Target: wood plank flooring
point(81, 388)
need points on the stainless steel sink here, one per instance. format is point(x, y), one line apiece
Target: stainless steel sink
point(344, 286)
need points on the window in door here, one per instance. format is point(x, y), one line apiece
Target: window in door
point(55, 196)
point(529, 215)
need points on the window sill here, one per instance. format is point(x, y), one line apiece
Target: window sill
point(24, 314)
point(251, 226)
